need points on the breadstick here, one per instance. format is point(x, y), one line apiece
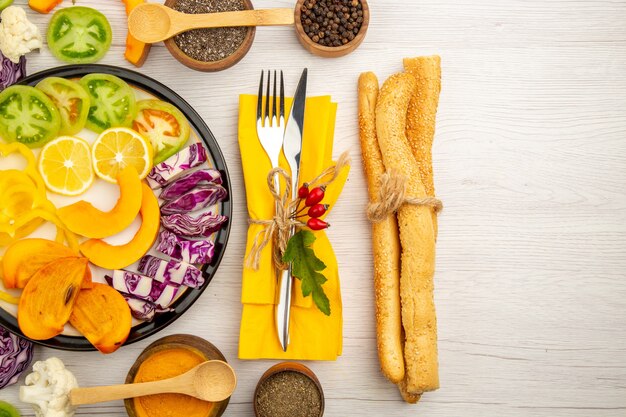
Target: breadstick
point(408, 396)
point(420, 128)
point(385, 244)
point(416, 237)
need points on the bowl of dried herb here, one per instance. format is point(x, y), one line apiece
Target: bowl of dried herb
point(211, 49)
point(289, 389)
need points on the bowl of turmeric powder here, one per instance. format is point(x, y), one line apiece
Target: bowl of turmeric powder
point(166, 358)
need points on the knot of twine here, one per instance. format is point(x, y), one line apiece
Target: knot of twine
point(392, 195)
point(278, 229)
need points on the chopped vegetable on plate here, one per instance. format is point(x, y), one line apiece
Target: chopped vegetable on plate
point(200, 197)
point(165, 126)
point(28, 116)
point(189, 157)
point(171, 272)
point(188, 181)
point(190, 251)
point(185, 225)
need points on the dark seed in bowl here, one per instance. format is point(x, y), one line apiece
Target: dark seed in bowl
point(288, 394)
point(215, 44)
point(331, 22)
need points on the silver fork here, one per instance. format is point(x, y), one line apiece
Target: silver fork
point(270, 130)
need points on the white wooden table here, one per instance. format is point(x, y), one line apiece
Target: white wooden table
point(530, 160)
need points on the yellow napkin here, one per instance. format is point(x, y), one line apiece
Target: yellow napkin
point(313, 335)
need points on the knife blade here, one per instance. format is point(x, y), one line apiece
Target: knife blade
point(292, 148)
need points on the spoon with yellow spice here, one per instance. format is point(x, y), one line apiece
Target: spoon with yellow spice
point(210, 381)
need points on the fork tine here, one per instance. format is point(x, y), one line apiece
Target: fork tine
point(267, 100)
point(259, 106)
point(282, 97)
point(274, 118)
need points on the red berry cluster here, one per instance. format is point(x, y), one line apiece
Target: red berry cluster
point(312, 201)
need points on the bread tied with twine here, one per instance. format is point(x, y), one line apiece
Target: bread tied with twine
point(392, 195)
point(278, 229)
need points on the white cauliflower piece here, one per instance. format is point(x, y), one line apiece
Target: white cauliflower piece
point(48, 389)
point(18, 36)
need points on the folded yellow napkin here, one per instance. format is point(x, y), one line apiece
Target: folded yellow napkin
point(313, 335)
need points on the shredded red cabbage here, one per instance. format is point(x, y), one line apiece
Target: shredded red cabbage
point(10, 72)
point(15, 357)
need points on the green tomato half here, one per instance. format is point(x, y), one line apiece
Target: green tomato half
point(72, 101)
point(28, 116)
point(112, 102)
point(79, 35)
point(165, 126)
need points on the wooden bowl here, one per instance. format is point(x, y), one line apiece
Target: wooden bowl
point(331, 51)
point(212, 66)
point(294, 367)
point(185, 341)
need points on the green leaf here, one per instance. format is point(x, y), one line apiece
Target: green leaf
point(305, 266)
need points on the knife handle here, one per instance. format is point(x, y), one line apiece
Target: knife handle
point(283, 307)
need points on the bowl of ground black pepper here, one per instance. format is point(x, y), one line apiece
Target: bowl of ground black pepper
point(213, 49)
point(331, 28)
point(288, 389)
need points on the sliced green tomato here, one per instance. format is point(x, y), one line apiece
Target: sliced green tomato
point(79, 35)
point(165, 126)
point(72, 101)
point(112, 102)
point(8, 410)
point(28, 116)
point(5, 3)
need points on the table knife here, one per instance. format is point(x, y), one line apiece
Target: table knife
point(292, 148)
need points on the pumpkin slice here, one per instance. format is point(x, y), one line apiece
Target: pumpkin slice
point(118, 257)
point(47, 301)
point(25, 257)
point(102, 315)
point(84, 219)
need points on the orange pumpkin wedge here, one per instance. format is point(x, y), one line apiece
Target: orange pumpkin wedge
point(102, 315)
point(84, 219)
point(43, 6)
point(136, 51)
point(25, 257)
point(108, 256)
point(47, 301)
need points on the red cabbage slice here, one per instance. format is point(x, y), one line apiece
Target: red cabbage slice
point(142, 309)
point(187, 158)
point(16, 355)
point(10, 72)
point(171, 272)
point(188, 181)
point(186, 225)
point(142, 287)
point(200, 197)
point(190, 251)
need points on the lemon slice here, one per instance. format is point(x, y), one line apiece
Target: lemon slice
point(118, 147)
point(65, 165)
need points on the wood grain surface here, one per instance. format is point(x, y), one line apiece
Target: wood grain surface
point(530, 161)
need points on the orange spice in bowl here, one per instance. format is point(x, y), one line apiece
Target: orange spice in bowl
point(166, 358)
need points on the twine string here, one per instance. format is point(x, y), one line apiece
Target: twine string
point(392, 195)
point(278, 229)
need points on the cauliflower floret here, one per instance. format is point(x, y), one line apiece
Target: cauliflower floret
point(18, 36)
point(48, 389)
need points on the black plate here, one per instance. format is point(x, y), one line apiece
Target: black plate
point(143, 330)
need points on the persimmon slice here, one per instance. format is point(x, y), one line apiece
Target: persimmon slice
point(102, 315)
point(47, 301)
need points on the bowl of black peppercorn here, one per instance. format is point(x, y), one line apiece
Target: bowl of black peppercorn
point(331, 28)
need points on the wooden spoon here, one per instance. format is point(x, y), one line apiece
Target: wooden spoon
point(152, 22)
point(210, 381)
